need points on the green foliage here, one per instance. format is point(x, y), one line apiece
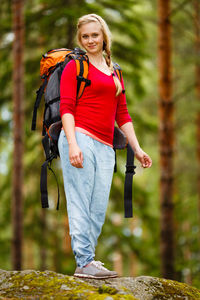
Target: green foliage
point(51, 24)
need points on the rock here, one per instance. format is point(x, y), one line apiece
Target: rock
point(25, 287)
point(31, 284)
point(64, 287)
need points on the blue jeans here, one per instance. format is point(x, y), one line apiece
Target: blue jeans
point(87, 191)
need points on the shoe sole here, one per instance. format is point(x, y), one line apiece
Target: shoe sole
point(94, 277)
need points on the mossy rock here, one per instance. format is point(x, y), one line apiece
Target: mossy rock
point(31, 284)
point(151, 288)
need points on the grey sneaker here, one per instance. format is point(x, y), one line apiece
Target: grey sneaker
point(95, 270)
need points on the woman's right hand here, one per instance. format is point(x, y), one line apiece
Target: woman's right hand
point(75, 156)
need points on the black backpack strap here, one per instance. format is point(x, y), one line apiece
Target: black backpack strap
point(115, 167)
point(43, 185)
point(39, 92)
point(43, 177)
point(58, 201)
point(130, 171)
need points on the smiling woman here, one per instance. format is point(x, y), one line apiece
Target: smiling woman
point(94, 35)
point(91, 38)
point(86, 143)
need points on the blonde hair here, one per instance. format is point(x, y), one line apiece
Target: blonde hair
point(106, 44)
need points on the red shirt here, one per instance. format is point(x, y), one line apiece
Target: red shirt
point(98, 108)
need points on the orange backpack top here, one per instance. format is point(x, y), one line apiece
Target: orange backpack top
point(51, 59)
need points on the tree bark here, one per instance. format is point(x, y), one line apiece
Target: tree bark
point(71, 34)
point(166, 139)
point(43, 253)
point(117, 257)
point(18, 120)
point(133, 259)
point(66, 245)
point(187, 253)
point(197, 79)
point(42, 246)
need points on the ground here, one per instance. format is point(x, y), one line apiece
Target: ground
point(31, 284)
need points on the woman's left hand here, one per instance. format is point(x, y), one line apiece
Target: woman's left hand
point(143, 158)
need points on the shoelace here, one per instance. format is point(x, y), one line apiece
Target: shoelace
point(99, 265)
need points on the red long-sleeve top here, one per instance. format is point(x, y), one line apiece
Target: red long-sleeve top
point(98, 108)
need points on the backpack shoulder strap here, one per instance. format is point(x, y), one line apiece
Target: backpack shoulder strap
point(82, 69)
point(39, 92)
point(118, 70)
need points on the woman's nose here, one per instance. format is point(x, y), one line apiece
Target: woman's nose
point(90, 40)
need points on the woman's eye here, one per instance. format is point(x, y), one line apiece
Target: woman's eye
point(94, 35)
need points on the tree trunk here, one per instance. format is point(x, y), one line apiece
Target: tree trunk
point(43, 253)
point(18, 118)
point(118, 262)
point(44, 233)
point(197, 79)
point(187, 253)
point(28, 254)
point(117, 257)
point(166, 139)
point(71, 34)
point(133, 259)
point(71, 24)
point(66, 245)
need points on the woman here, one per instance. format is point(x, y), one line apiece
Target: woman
point(85, 144)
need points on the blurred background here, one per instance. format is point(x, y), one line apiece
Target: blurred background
point(157, 46)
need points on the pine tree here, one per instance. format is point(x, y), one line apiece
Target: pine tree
point(18, 116)
point(197, 77)
point(166, 139)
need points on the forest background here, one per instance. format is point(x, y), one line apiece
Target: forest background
point(130, 246)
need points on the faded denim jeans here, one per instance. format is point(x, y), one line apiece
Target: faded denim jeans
point(87, 192)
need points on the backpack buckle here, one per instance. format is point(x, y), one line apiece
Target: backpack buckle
point(81, 78)
point(130, 169)
point(79, 51)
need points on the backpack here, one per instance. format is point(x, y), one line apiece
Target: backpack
point(51, 66)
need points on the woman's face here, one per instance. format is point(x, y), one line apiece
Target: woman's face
point(91, 37)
